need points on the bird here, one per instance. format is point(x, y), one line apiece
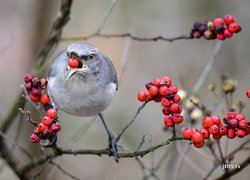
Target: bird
point(85, 90)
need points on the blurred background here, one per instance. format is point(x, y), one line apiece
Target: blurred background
point(24, 28)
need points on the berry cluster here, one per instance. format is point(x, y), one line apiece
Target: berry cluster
point(220, 28)
point(34, 85)
point(236, 125)
point(162, 90)
point(49, 126)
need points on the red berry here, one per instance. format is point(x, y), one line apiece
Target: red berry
point(216, 120)
point(217, 136)
point(141, 96)
point(240, 117)
point(55, 127)
point(153, 90)
point(231, 114)
point(157, 98)
point(248, 93)
point(41, 127)
point(233, 123)
point(196, 34)
point(34, 138)
point(166, 111)
point(168, 121)
point(174, 89)
point(35, 92)
point(243, 124)
point(227, 33)
point(223, 130)
point(187, 133)
point(197, 137)
point(167, 81)
point(157, 82)
point(205, 133)
point(247, 130)
point(34, 98)
point(148, 96)
point(199, 145)
point(220, 36)
point(228, 19)
point(176, 98)
point(165, 102)
point(239, 29)
point(194, 130)
point(45, 99)
point(230, 133)
point(35, 81)
point(177, 118)
point(207, 122)
point(214, 129)
point(28, 78)
point(240, 133)
point(218, 21)
point(52, 113)
point(163, 90)
point(43, 83)
point(175, 108)
point(47, 120)
point(233, 27)
point(73, 63)
point(28, 86)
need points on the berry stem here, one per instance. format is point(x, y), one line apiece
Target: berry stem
point(28, 113)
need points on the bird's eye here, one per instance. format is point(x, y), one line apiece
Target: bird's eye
point(91, 57)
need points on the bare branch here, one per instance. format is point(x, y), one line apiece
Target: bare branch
point(128, 35)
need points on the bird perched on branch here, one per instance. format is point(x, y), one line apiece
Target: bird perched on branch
point(82, 81)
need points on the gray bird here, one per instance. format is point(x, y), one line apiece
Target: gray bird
point(86, 90)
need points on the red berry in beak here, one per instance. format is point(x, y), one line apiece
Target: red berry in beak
point(73, 63)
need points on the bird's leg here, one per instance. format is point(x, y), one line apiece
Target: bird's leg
point(112, 147)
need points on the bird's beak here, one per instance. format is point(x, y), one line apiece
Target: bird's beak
point(74, 70)
point(71, 71)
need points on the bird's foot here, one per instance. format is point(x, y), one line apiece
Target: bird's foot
point(112, 148)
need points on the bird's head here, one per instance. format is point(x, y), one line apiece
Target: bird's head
point(87, 56)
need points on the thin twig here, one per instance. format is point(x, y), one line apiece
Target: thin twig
point(106, 16)
point(128, 35)
point(208, 67)
point(131, 122)
point(64, 171)
point(28, 113)
point(14, 144)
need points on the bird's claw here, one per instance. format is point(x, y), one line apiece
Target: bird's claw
point(112, 148)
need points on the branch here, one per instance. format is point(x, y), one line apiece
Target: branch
point(99, 152)
point(131, 122)
point(127, 35)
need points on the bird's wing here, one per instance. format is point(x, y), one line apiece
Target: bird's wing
point(113, 71)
